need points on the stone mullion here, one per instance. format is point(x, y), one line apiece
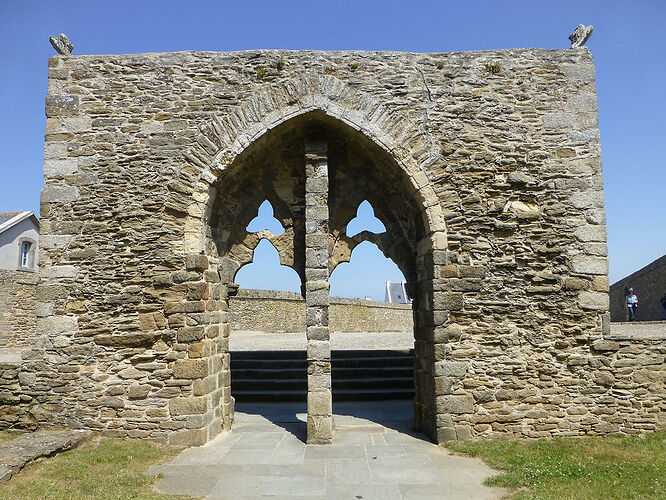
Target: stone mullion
point(320, 406)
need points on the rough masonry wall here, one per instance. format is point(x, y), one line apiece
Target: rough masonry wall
point(500, 149)
point(284, 312)
point(17, 308)
point(16, 404)
point(649, 284)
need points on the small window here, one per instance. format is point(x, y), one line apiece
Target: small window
point(25, 254)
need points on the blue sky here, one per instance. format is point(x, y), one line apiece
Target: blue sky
point(627, 45)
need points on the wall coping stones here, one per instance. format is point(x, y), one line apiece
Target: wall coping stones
point(638, 330)
point(250, 293)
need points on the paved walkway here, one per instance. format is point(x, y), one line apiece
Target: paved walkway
point(375, 456)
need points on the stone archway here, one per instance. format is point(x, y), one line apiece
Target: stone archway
point(317, 109)
point(315, 170)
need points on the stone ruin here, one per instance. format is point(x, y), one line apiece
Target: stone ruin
point(485, 168)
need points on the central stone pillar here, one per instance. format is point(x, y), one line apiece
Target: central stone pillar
point(320, 400)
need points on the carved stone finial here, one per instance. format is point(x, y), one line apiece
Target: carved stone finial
point(62, 44)
point(581, 35)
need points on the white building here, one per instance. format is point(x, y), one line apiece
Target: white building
point(396, 293)
point(19, 241)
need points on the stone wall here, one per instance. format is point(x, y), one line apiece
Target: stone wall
point(649, 284)
point(17, 307)
point(485, 168)
point(284, 312)
point(16, 403)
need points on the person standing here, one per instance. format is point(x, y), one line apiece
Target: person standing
point(663, 304)
point(632, 304)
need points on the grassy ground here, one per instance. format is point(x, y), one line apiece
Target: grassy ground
point(584, 468)
point(106, 468)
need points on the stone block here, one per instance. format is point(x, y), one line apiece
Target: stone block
point(590, 232)
point(318, 333)
point(604, 378)
point(443, 385)
point(316, 317)
point(204, 386)
point(190, 334)
point(605, 345)
point(319, 381)
point(456, 369)
point(584, 264)
point(60, 168)
point(62, 271)
point(587, 199)
point(55, 150)
point(452, 301)
point(558, 120)
point(138, 391)
point(52, 325)
point(54, 193)
point(576, 284)
point(456, 404)
point(54, 241)
point(595, 301)
point(198, 291)
point(27, 379)
point(317, 298)
point(130, 339)
point(320, 402)
point(319, 350)
point(472, 271)
point(132, 373)
point(198, 262)
point(463, 433)
point(190, 368)
point(188, 437)
point(319, 429)
point(449, 271)
point(445, 434)
point(62, 105)
point(188, 406)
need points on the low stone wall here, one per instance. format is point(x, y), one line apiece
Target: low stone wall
point(649, 284)
point(634, 370)
point(17, 307)
point(16, 404)
point(284, 312)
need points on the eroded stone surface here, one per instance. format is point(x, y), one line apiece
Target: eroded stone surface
point(581, 35)
point(61, 44)
point(28, 447)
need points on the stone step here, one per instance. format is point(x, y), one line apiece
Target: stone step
point(240, 385)
point(339, 396)
point(274, 376)
point(338, 372)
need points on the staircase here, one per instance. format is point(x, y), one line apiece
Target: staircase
point(281, 376)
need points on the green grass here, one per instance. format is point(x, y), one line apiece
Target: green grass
point(580, 468)
point(107, 468)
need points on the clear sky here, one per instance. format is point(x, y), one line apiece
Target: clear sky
point(628, 47)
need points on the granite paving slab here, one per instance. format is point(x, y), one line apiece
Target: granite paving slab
point(373, 455)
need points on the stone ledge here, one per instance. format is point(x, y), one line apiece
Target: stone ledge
point(34, 445)
point(637, 330)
